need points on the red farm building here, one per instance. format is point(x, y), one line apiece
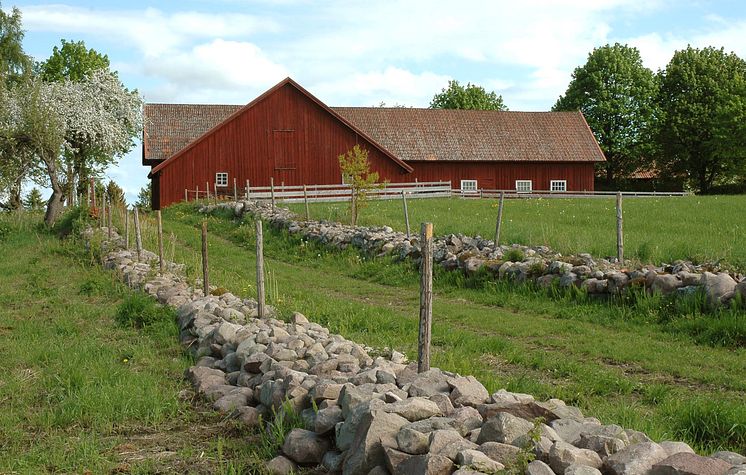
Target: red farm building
point(291, 136)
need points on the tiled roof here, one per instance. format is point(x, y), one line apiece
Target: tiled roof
point(470, 135)
point(409, 134)
point(171, 127)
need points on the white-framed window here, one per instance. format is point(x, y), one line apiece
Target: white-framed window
point(523, 186)
point(558, 185)
point(221, 179)
point(468, 186)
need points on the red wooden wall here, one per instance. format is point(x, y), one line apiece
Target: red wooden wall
point(286, 136)
point(502, 175)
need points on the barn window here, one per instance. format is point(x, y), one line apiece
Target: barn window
point(468, 186)
point(558, 185)
point(221, 179)
point(523, 186)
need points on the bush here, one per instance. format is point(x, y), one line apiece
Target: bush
point(514, 255)
point(140, 311)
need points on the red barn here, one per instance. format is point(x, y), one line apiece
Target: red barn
point(291, 136)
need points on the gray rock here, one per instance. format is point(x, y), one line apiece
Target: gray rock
point(665, 283)
point(449, 443)
point(467, 391)
point(332, 461)
point(636, 459)
point(468, 417)
point(601, 444)
point(394, 458)
point(505, 428)
point(444, 403)
point(562, 455)
point(537, 467)
point(412, 442)
point(281, 466)
point(676, 447)
point(575, 469)
point(737, 470)
point(690, 464)
point(730, 457)
point(414, 409)
point(569, 429)
point(477, 460)
point(326, 419)
point(231, 402)
point(325, 390)
point(202, 378)
point(376, 430)
point(429, 383)
point(718, 286)
point(503, 453)
point(427, 464)
point(305, 447)
point(437, 423)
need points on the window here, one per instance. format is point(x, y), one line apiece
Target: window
point(523, 186)
point(221, 179)
point(468, 186)
point(558, 185)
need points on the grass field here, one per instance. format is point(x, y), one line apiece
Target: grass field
point(80, 393)
point(700, 228)
point(612, 362)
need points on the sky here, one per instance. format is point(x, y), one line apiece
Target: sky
point(364, 53)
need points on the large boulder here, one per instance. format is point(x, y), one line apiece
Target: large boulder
point(414, 408)
point(537, 467)
point(562, 455)
point(305, 447)
point(449, 443)
point(636, 459)
point(203, 378)
point(718, 287)
point(505, 428)
point(690, 464)
point(467, 391)
point(376, 430)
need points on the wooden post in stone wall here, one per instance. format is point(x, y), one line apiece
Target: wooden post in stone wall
point(499, 223)
point(207, 191)
point(215, 189)
point(305, 200)
point(205, 275)
point(196, 194)
point(186, 195)
point(406, 212)
point(272, 190)
point(235, 191)
point(160, 240)
point(259, 269)
point(426, 298)
point(126, 228)
point(619, 229)
point(108, 219)
point(138, 236)
point(247, 190)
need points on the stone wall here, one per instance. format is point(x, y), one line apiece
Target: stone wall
point(377, 415)
point(539, 264)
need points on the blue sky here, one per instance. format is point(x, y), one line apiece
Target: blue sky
point(362, 53)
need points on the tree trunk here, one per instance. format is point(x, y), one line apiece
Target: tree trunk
point(56, 201)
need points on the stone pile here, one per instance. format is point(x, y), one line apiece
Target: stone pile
point(366, 414)
point(539, 264)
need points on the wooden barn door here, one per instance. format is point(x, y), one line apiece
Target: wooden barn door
point(285, 154)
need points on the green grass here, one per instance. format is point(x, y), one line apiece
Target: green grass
point(79, 392)
point(611, 361)
point(700, 228)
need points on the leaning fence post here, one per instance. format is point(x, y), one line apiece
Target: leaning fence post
point(126, 228)
point(160, 240)
point(305, 199)
point(272, 190)
point(499, 218)
point(406, 212)
point(259, 269)
point(426, 298)
point(619, 230)
point(205, 274)
point(138, 236)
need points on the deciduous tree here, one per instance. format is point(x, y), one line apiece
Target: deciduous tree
point(456, 96)
point(703, 104)
point(356, 172)
point(617, 96)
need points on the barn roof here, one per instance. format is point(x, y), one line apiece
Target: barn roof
point(405, 134)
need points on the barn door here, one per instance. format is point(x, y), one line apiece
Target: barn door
point(285, 154)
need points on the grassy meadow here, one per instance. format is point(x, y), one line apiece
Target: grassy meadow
point(83, 392)
point(641, 365)
point(660, 229)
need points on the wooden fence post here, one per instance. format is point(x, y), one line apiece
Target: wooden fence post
point(126, 228)
point(499, 223)
point(160, 240)
point(619, 229)
point(101, 212)
point(196, 194)
point(353, 208)
point(205, 274)
point(207, 191)
point(235, 191)
point(272, 190)
point(426, 298)
point(215, 189)
point(406, 212)
point(259, 269)
point(305, 199)
point(138, 236)
point(108, 219)
point(247, 190)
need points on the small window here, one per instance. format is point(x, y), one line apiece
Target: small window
point(221, 179)
point(468, 186)
point(523, 186)
point(558, 185)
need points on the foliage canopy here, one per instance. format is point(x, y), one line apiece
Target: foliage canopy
point(471, 96)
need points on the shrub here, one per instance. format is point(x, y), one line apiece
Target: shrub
point(514, 255)
point(139, 311)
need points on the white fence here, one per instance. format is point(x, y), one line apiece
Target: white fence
point(562, 194)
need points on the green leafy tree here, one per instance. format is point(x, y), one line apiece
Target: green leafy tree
point(72, 61)
point(115, 193)
point(356, 172)
point(144, 196)
point(456, 96)
point(33, 200)
point(703, 103)
point(617, 96)
point(14, 62)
